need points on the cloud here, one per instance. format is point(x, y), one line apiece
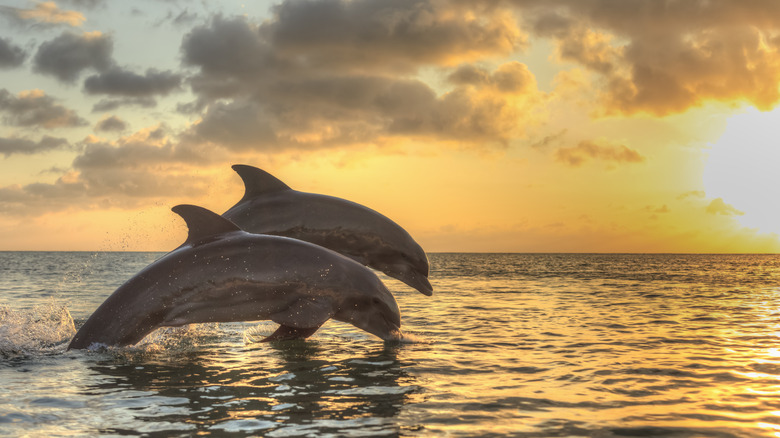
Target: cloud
point(666, 57)
point(586, 150)
point(48, 12)
point(718, 206)
point(125, 83)
point(548, 140)
point(351, 36)
point(11, 55)
point(692, 194)
point(67, 55)
point(132, 171)
point(111, 123)
point(23, 146)
point(354, 109)
point(512, 77)
point(106, 105)
point(390, 34)
point(34, 108)
point(334, 72)
point(182, 17)
point(86, 4)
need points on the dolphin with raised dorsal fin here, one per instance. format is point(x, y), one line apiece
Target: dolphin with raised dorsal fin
point(223, 274)
point(270, 206)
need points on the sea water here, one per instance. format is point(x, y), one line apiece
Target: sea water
point(536, 345)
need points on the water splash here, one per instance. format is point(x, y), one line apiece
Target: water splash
point(45, 328)
point(256, 333)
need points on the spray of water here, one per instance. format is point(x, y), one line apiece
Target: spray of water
point(46, 328)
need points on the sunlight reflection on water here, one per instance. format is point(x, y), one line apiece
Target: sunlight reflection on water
point(522, 345)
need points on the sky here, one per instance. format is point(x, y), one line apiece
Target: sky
point(495, 126)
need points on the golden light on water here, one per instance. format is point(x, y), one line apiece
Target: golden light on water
point(742, 170)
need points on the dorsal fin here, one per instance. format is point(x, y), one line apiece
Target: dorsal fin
point(203, 223)
point(257, 181)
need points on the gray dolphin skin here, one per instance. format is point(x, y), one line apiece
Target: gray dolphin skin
point(223, 274)
point(269, 206)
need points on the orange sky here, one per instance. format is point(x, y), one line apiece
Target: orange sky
point(527, 126)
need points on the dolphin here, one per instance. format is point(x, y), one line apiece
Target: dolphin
point(224, 274)
point(270, 206)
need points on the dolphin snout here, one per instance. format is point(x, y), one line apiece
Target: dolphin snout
point(417, 281)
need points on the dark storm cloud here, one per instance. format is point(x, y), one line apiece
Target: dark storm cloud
point(67, 55)
point(111, 123)
point(11, 55)
point(120, 82)
point(665, 57)
point(34, 108)
point(23, 146)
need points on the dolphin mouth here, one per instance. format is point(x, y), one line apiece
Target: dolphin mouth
point(417, 281)
point(393, 335)
point(389, 332)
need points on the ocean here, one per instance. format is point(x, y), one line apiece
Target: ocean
point(522, 345)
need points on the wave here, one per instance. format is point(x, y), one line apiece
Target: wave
point(44, 329)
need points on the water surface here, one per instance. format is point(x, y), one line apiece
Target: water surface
point(509, 344)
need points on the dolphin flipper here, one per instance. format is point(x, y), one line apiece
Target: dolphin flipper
point(305, 313)
point(286, 333)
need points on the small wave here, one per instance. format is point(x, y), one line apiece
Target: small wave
point(45, 328)
point(411, 338)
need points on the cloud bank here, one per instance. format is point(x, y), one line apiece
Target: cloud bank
point(665, 57)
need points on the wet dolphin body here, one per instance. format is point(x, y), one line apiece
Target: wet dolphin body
point(223, 274)
point(269, 206)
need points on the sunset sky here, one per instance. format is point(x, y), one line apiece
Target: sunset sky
point(507, 126)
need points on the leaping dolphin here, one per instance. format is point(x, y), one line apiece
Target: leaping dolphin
point(223, 274)
point(270, 206)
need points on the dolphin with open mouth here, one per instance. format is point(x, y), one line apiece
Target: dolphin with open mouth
point(270, 206)
point(224, 274)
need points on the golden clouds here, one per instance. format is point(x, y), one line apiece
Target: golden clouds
point(666, 57)
point(718, 206)
point(48, 12)
point(325, 74)
point(589, 150)
point(35, 108)
point(389, 35)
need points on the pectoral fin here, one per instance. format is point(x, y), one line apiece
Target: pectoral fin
point(284, 333)
point(305, 313)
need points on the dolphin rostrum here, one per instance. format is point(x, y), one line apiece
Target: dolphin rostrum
point(223, 274)
point(269, 206)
